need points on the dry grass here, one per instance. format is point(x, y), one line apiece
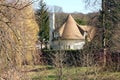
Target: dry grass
point(41, 72)
point(71, 73)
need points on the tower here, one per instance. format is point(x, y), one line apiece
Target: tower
point(52, 27)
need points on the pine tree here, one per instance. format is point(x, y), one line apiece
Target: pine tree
point(108, 27)
point(43, 21)
point(109, 18)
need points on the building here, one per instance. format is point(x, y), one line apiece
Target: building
point(71, 35)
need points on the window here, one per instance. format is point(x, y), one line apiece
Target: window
point(55, 35)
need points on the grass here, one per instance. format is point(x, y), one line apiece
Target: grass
point(71, 73)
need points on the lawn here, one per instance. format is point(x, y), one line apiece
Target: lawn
point(70, 73)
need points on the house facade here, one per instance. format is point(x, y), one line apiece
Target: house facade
point(71, 35)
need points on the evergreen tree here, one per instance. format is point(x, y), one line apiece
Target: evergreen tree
point(109, 18)
point(43, 21)
point(108, 24)
point(108, 21)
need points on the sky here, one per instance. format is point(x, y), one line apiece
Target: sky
point(70, 6)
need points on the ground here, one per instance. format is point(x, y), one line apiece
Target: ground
point(70, 73)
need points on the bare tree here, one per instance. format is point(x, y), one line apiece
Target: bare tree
point(17, 25)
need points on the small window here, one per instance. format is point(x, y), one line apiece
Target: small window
point(56, 34)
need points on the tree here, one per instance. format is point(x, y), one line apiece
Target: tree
point(17, 24)
point(81, 22)
point(42, 18)
point(109, 18)
point(108, 23)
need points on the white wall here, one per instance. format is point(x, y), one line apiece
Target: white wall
point(68, 44)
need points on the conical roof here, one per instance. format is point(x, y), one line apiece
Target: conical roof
point(61, 29)
point(90, 31)
point(71, 30)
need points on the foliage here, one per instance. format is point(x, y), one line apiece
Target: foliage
point(109, 19)
point(17, 24)
point(42, 18)
point(81, 22)
point(108, 25)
